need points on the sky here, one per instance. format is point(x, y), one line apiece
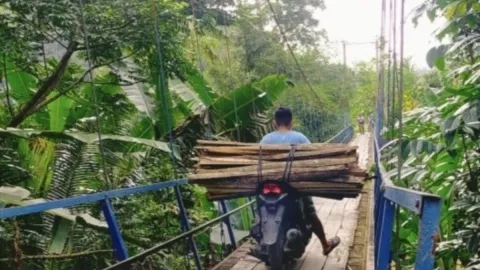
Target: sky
point(359, 21)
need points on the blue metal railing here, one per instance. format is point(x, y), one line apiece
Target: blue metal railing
point(109, 212)
point(120, 249)
point(387, 197)
point(344, 136)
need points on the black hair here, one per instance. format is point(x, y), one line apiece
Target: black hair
point(283, 116)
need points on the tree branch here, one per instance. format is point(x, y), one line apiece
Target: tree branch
point(76, 83)
point(46, 88)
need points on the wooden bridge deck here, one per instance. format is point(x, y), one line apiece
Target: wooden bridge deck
point(339, 218)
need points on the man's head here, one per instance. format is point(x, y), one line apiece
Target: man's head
point(283, 118)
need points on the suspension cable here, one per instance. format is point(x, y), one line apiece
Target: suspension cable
point(94, 92)
point(7, 87)
point(400, 88)
point(389, 64)
point(395, 66)
point(229, 67)
point(164, 95)
point(285, 40)
point(199, 62)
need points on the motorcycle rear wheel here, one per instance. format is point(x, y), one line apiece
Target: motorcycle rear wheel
point(276, 254)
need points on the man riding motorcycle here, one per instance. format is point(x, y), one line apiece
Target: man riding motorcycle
point(284, 135)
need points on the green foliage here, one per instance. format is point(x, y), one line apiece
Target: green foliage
point(59, 104)
point(440, 144)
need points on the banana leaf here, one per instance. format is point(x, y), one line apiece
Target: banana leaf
point(88, 138)
point(18, 195)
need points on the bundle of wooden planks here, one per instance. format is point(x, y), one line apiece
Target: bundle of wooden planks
point(231, 170)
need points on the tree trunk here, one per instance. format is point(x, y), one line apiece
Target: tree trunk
point(45, 89)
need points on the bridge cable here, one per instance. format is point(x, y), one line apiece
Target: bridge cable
point(314, 121)
point(237, 126)
point(389, 64)
point(95, 98)
point(229, 66)
point(94, 92)
point(395, 66)
point(199, 62)
point(7, 87)
point(162, 83)
point(285, 40)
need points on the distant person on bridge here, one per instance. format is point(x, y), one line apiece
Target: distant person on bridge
point(361, 123)
point(285, 135)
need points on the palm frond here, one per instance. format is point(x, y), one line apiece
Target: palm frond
point(11, 170)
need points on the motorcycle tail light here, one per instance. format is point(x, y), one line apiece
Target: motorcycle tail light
point(272, 189)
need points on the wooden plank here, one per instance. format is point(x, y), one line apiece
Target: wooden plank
point(239, 159)
point(338, 259)
point(323, 213)
point(261, 266)
point(254, 148)
point(246, 263)
point(315, 258)
point(326, 164)
point(238, 186)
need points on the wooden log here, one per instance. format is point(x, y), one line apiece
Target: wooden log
point(255, 145)
point(253, 160)
point(351, 183)
point(217, 197)
point(325, 162)
point(227, 161)
point(228, 143)
point(230, 169)
point(241, 172)
point(266, 149)
point(312, 154)
point(309, 190)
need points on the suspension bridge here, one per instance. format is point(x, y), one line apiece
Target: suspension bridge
point(365, 224)
point(340, 218)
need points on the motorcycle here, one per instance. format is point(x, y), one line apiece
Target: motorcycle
point(282, 233)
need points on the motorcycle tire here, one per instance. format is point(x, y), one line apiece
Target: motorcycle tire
point(276, 254)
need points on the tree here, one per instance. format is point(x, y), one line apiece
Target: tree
point(113, 32)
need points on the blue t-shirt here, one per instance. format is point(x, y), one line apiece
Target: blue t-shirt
point(284, 137)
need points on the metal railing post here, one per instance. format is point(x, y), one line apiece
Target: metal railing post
point(229, 225)
point(186, 227)
point(430, 218)
point(114, 231)
point(386, 230)
point(378, 222)
point(252, 206)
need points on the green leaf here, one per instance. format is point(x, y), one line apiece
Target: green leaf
point(58, 111)
point(22, 84)
point(467, 40)
point(13, 194)
point(200, 87)
point(420, 176)
point(88, 138)
point(444, 167)
point(440, 63)
point(435, 57)
point(61, 229)
point(185, 93)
